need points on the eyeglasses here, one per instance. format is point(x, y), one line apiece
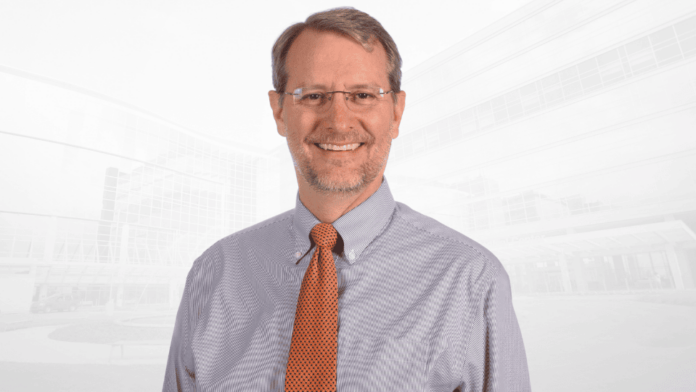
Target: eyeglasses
point(361, 99)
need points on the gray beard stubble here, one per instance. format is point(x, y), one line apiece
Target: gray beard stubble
point(368, 172)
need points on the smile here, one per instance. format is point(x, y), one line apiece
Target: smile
point(344, 147)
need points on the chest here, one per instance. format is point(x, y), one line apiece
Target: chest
point(392, 335)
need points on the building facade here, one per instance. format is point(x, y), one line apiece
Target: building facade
point(109, 203)
point(562, 138)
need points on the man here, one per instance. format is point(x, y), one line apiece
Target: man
point(350, 290)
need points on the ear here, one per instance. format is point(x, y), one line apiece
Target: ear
point(398, 113)
point(273, 98)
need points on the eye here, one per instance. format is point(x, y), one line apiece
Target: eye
point(363, 96)
point(313, 96)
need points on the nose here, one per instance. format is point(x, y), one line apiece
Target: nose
point(337, 114)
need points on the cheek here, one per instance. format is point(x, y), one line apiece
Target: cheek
point(383, 121)
point(380, 129)
point(300, 125)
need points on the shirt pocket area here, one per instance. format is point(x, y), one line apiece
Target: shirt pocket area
point(399, 365)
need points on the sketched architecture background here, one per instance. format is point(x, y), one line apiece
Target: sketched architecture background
point(562, 138)
point(109, 204)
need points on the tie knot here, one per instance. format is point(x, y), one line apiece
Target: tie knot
point(324, 235)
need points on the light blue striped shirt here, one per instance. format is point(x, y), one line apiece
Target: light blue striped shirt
point(421, 307)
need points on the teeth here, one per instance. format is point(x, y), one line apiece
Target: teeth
point(344, 147)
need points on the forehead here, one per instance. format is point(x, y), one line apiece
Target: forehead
point(331, 59)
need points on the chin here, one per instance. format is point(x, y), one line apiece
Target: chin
point(348, 185)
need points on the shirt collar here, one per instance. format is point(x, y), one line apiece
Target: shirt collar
point(357, 228)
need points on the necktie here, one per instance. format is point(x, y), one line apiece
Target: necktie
point(312, 360)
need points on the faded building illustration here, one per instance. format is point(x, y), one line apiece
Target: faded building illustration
point(109, 204)
point(561, 137)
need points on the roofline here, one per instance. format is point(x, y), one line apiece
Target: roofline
point(237, 147)
point(479, 37)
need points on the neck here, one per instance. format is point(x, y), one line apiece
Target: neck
point(328, 207)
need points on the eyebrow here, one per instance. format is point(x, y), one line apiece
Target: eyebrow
point(324, 87)
point(314, 86)
point(363, 85)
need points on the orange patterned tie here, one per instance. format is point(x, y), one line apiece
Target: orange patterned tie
point(312, 360)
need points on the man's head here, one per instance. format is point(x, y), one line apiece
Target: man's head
point(341, 50)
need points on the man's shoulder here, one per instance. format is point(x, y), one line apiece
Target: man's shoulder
point(268, 227)
point(277, 222)
point(440, 232)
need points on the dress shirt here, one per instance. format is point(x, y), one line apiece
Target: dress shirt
point(421, 307)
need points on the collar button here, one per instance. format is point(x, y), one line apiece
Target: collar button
point(351, 255)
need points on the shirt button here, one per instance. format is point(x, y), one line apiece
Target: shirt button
point(298, 254)
point(351, 255)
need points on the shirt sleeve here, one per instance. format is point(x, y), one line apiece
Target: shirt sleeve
point(180, 374)
point(495, 357)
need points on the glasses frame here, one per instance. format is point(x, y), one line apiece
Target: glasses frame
point(329, 94)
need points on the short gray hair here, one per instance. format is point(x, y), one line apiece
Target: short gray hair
point(346, 21)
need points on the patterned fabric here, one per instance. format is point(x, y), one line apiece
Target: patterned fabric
point(421, 307)
point(312, 363)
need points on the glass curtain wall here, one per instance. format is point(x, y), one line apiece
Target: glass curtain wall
point(108, 202)
point(562, 138)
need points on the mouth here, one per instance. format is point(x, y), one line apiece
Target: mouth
point(350, 147)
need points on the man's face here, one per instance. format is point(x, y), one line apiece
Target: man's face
point(338, 64)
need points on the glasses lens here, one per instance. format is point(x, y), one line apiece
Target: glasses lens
point(366, 97)
point(310, 98)
point(358, 99)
